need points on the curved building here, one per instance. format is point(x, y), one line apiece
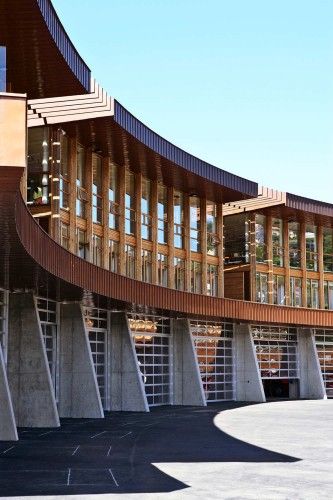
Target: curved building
point(133, 274)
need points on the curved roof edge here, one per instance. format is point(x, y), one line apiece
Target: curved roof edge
point(64, 43)
point(309, 205)
point(180, 157)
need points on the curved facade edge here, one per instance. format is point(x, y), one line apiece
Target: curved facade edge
point(180, 157)
point(66, 266)
point(64, 44)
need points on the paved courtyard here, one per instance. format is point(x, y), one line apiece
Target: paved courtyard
point(278, 450)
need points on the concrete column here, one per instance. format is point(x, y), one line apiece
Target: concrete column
point(8, 430)
point(249, 386)
point(28, 369)
point(187, 388)
point(78, 393)
point(311, 380)
point(127, 387)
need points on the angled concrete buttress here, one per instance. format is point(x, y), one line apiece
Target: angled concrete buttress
point(28, 369)
point(188, 389)
point(311, 379)
point(8, 431)
point(249, 386)
point(127, 387)
point(79, 395)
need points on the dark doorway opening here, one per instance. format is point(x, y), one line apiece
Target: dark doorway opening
point(281, 388)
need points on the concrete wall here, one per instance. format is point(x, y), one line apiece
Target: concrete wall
point(127, 387)
point(188, 389)
point(8, 430)
point(78, 391)
point(249, 385)
point(28, 370)
point(311, 380)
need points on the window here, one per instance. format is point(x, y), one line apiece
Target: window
point(277, 242)
point(2, 69)
point(295, 292)
point(195, 224)
point(178, 214)
point(262, 287)
point(38, 188)
point(130, 261)
point(312, 293)
point(64, 180)
point(64, 235)
point(179, 265)
point(213, 239)
point(294, 245)
point(311, 248)
point(162, 269)
point(279, 297)
point(97, 202)
point(146, 219)
point(81, 193)
point(328, 294)
point(212, 280)
point(97, 250)
point(236, 239)
point(196, 275)
point(260, 235)
point(114, 256)
point(162, 215)
point(328, 249)
point(82, 247)
point(130, 216)
point(146, 266)
point(113, 198)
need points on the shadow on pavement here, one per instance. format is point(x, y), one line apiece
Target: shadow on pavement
point(116, 455)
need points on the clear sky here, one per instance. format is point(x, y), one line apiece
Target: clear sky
point(245, 85)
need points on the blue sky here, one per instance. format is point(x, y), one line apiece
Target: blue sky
point(246, 85)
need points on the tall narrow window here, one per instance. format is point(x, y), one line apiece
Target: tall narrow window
point(130, 261)
point(195, 221)
point(97, 250)
point(213, 239)
point(294, 245)
point(97, 189)
point(196, 276)
point(162, 269)
point(311, 248)
point(178, 214)
point(146, 266)
point(277, 242)
point(2, 69)
point(295, 292)
point(113, 197)
point(64, 235)
point(64, 173)
point(312, 293)
point(179, 265)
point(328, 249)
point(212, 280)
point(130, 216)
point(81, 193)
point(114, 256)
point(38, 188)
point(82, 247)
point(262, 287)
point(162, 214)
point(260, 230)
point(146, 220)
point(328, 294)
point(279, 297)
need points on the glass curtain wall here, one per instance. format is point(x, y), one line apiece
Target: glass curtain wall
point(162, 214)
point(178, 215)
point(130, 214)
point(312, 293)
point(279, 297)
point(294, 245)
point(179, 265)
point(146, 219)
point(130, 261)
point(113, 197)
point(212, 280)
point(260, 235)
point(81, 193)
point(296, 292)
point(196, 275)
point(213, 239)
point(262, 287)
point(114, 256)
point(311, 248)
point(162, 269)
point(147, 259)
point(328, 294)
point(277, 242)
point(195, 217)
point(328, 249)
point(97, 201)
point(38, 188)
